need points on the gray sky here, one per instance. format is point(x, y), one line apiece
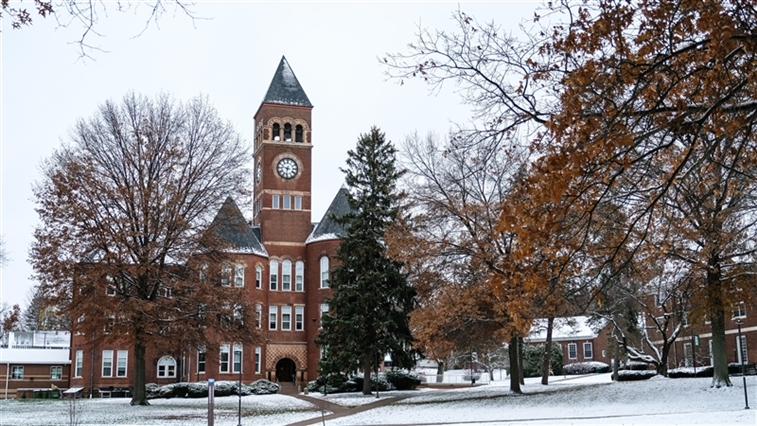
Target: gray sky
point(229, 54)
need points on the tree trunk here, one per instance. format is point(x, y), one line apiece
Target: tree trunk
point(514, 368)
point(717, 318)
point(520, 361)
point(547, 361)
point(662, 367)
point(439, 371)
point(139, 396)
point(367, 361)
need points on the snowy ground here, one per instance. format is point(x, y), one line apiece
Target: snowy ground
point(586, 400)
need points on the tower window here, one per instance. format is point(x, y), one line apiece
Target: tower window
point(276, 132)
point(324, 272)
point(287, 132)
point(275, 201)
point(298, 202)
point(287, 201)
point(273, 278)
point(298, 133)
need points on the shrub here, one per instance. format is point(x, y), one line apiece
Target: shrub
point(533, 356)
point(197, 390)
point(676, 373)
point(629, 375)
point(263, 387)
point(467, 377)
point(383, 384)
point(634, 365)
point(334, 383)
point(151, 390)
point(403, 380)
point(586, 368)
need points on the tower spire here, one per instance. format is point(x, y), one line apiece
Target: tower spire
point(285, 89)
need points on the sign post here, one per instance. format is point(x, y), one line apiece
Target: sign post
point(211, 400)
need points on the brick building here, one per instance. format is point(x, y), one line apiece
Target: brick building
point(580, 339)
point(34, 360)
point(281, 259)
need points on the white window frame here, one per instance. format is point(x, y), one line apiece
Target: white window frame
point(79, 364)
point(299, 318)
point(257, 359)
point(122, 363)
point(239, 275)
point(201, 361)
point(259, 315)
point(258, 277)
point(286, 202)
point(273, 317)
point(588, 350)
point(324, 262)
point(226, 275)
point(299, 276)
point(275, 201)
point(17, 372)
point(298, 202)
point(107, 363)
point(224, 359)
point(56, 372)
point(236, 360)
point(739, 311)
point(273, 276)
point(166, 367)
point(742, 350)
point(286, 318)
point(324, 310)
point(286, 275)
point(572, 351)
point(688, 354)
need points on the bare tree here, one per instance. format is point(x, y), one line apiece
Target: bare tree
point(126, 210)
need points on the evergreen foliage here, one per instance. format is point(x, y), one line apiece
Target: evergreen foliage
point(533, 357)
point(368, 312)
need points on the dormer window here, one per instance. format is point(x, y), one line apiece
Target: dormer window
point(298, 134)
point(287, 132)
point(276, 132)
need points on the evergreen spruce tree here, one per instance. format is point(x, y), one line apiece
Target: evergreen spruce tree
point(368, 313)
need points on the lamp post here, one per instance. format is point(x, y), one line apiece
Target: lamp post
point(239, 411)
point(741, 357)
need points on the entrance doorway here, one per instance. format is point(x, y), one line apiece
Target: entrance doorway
point(285, 368)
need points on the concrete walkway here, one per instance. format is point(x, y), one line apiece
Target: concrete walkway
point(340, 410)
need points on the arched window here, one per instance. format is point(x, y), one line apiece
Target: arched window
point(324, 272)
point(298, 133)
point(167, 367)
point(299, 273)
point(258, 276)
point(273, 278)
point(287, 132)
point(286, 275)
point(276, 132)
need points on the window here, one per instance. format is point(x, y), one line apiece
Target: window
point(109, 323)
point(258, 277)
point(324, 311)
point(274, 277)
point(299, 318)
point(164, 292)
point(79, 363)
point(272, 317)
point(741, 350)
point(201, 360)
point(237, 365)
point(739, 310)
point(121, 360)
point(688, 355)
point(275, 201)
point(298, 202)
point(56, 372)
point(203, 274)
point(287, 132)
point(276, 131)
point(224, 359)
point(238, 313)
point(324, 272)
point(107, 363)
point(239, 275)
point(298, 133)
point(17, 372)
point(225, 275)
point(588, 350)
point(257, 359)
point(286, 275)
point(286, 202)
point(572, 351)
point(167, 367)
point(259, 315)
point(299, 273)
point(110, 289)
point(286, 317)
point(711, 359)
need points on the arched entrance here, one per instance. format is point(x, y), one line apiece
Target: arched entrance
point(285, 369)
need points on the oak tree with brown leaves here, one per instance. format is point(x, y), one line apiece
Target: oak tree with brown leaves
point(125, 209)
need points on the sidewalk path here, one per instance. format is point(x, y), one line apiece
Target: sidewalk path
point(340, 410)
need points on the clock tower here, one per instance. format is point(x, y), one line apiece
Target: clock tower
point(282, 150)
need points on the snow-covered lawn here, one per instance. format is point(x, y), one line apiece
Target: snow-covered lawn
point(573, 400)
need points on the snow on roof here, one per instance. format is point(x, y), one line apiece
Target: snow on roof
point(34, 356)
point(322, 237)
point(565, 328)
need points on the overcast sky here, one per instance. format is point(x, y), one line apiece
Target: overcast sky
point(229, 53)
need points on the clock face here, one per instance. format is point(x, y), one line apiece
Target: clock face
point(287, 168)
point(258, 172)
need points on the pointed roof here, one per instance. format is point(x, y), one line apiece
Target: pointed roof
point(327, 229)
point(285, 89)
point(231, 226)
